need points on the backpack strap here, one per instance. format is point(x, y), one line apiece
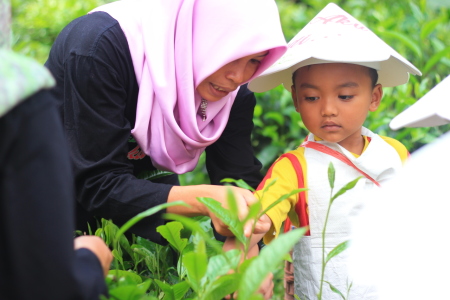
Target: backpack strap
point(301, 208)
point(327, 150)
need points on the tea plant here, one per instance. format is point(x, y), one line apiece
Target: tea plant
point(203, 270)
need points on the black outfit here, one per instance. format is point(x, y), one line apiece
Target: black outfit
point(37, 259)
point(97, 92)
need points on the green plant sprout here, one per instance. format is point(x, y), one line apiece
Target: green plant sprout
point(342, 246)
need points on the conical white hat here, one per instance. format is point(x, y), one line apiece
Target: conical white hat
point(335, 36)
point(433, 109)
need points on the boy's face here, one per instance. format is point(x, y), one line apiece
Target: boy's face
point(334, 100)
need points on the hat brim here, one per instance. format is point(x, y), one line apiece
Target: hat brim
point(391, 72)
point(433, 109)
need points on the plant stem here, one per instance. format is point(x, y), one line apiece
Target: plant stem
point(319, 296)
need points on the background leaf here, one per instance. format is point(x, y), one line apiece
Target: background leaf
point(171, 232)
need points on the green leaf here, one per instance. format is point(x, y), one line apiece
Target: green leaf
point(180, 289)
point(271, 183)
point(117, 254)
point(433, 60)
point(147, 213)
point(253, 212)
point(276, 116)
point(232, 203)
point(200, 245)
point(223, 286)
point(146, 243)
point(293, 192)
point(171, 232)
point(128, 292)
point(167, 289)
point(148, 255)
point(194, 226)
point(331, 175)
point(405, 39)
point(335, 290)
point(195, 264)
point(337, 250)
point(130, 277)
point(268, 260)
point(428, 27)
point(229, 219)
point(101, 234)
point(347, 187)
point(240, 183)
point(89, 228)
point(219, 265)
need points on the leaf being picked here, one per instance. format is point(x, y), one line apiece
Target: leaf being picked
point(240, 183)
point(228, 218)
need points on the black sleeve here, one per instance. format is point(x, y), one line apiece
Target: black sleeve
point(95, 87)
point(37, 258)
point(232, 156)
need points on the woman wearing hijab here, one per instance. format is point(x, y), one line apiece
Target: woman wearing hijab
point(150, 85)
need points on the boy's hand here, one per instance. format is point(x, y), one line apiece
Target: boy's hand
point(262, 226)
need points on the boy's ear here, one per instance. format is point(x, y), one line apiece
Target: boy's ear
point(377, 94)
point(294, 97)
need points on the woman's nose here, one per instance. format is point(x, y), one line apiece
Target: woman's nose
point(240, 71)
point(236, 74)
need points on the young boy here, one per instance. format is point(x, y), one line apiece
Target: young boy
point(336, 67)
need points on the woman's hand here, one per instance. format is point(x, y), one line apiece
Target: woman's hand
point(244, 198)
point(98, 247)
point(189, 194)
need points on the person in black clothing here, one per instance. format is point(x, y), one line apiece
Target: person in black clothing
point(37, 257)
point(147, 86)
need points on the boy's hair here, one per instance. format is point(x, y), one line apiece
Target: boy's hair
point(373, 74)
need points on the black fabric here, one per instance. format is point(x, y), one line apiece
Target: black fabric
point(97, 93)
point(37, 260)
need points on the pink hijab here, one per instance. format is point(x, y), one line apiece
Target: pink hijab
point(175, 45)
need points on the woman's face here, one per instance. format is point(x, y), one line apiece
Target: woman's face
point(230, 77)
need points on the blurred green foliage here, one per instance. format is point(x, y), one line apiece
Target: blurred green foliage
point(35, 24)
point(417, 29)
